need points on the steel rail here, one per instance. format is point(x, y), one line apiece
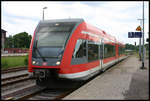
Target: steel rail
point(13, 69)
point(13, 77)
point(13, 81)
point(23, 92)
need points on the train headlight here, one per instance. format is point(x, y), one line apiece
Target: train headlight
point(33, 62)
point(58, 63)
point(57, 24)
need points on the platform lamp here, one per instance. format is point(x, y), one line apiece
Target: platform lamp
point(43, 11)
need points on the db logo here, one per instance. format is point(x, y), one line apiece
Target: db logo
point(44, 63)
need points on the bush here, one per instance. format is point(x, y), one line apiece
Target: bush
point(26, 60)
point(4, 63)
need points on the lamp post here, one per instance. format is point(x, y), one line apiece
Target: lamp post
point(143, 40)
point(140, 40)
point(43, 11)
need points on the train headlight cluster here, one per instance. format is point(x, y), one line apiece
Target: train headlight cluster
point(58, 63)
point(35, 62)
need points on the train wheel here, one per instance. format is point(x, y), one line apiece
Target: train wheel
point(41, 81)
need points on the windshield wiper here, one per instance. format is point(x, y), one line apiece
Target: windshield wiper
point(61, 50)
point(39, 51)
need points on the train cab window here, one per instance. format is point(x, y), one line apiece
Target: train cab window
point(53, 34)
point(79, 54)
point(93, 49)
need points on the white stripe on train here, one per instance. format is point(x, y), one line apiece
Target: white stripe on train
point(88, 72)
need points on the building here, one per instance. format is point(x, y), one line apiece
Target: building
point(16, 50)
point(3, 38)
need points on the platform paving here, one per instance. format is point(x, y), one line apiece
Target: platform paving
point(123, 81)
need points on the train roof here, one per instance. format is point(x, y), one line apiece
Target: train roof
point(103, 33)
point(78, 20)
point(100, 32)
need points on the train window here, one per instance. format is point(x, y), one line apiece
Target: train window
point(80, 49)
point(109, 50)
point(92, 51)
point(121, 50)
point(101, 51)
point(79, 55)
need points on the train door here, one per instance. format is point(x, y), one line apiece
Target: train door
point(101, 53)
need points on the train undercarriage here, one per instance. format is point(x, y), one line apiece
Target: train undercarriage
point(49, 78)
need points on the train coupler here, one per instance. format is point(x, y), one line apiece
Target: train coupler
point(30, 75)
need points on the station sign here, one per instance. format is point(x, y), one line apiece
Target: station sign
point(134, 34)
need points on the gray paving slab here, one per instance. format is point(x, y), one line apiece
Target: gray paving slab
point(123, 81)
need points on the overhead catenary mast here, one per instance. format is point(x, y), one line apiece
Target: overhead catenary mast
point(143, 40)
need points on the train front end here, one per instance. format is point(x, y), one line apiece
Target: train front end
point(47, 48)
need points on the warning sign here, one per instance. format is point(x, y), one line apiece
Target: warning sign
point(138, 28)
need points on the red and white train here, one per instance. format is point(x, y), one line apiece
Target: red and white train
point(71, 49)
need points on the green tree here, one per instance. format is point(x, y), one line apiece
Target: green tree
point(9, 43)
point(146, 46)
point(131, 47)
point(22, 40)
point(29, 41)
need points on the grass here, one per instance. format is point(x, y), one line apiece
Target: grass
point(137, 54)
point(13, 61)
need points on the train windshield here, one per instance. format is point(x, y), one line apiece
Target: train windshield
point(51, 38)
point(53, 34)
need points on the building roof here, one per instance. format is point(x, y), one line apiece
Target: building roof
point(3, 31)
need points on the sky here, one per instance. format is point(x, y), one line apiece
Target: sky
point(116, 18)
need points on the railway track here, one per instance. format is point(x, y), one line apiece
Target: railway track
point(15, 79)
point(12, 78)
point(13, 69)
point(21, 92)
point(50, 94)
point(34, 92)
point(13, 75)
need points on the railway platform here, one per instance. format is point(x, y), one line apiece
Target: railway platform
point(124, 80)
